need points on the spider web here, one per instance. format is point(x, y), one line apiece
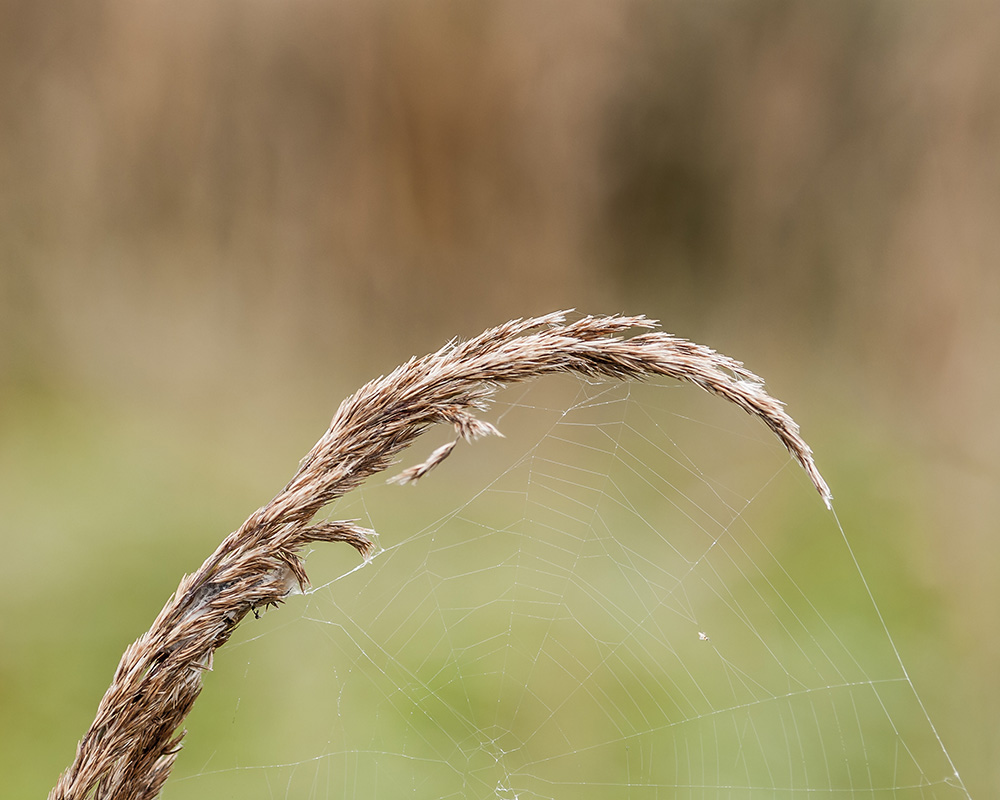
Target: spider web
point(635, 594)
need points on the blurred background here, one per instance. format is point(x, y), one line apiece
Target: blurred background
point(216, 219)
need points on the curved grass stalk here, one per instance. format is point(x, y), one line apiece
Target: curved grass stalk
point(130, 748)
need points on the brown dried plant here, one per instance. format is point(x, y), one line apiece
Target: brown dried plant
point(131, 745)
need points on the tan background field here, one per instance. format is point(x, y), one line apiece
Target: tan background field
point(217, 219)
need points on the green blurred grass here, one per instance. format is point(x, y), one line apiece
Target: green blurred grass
point(372, 682)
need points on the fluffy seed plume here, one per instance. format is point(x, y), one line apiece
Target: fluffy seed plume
point(130, 748)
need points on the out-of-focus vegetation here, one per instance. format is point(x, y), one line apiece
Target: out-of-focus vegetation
point(217, 218)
